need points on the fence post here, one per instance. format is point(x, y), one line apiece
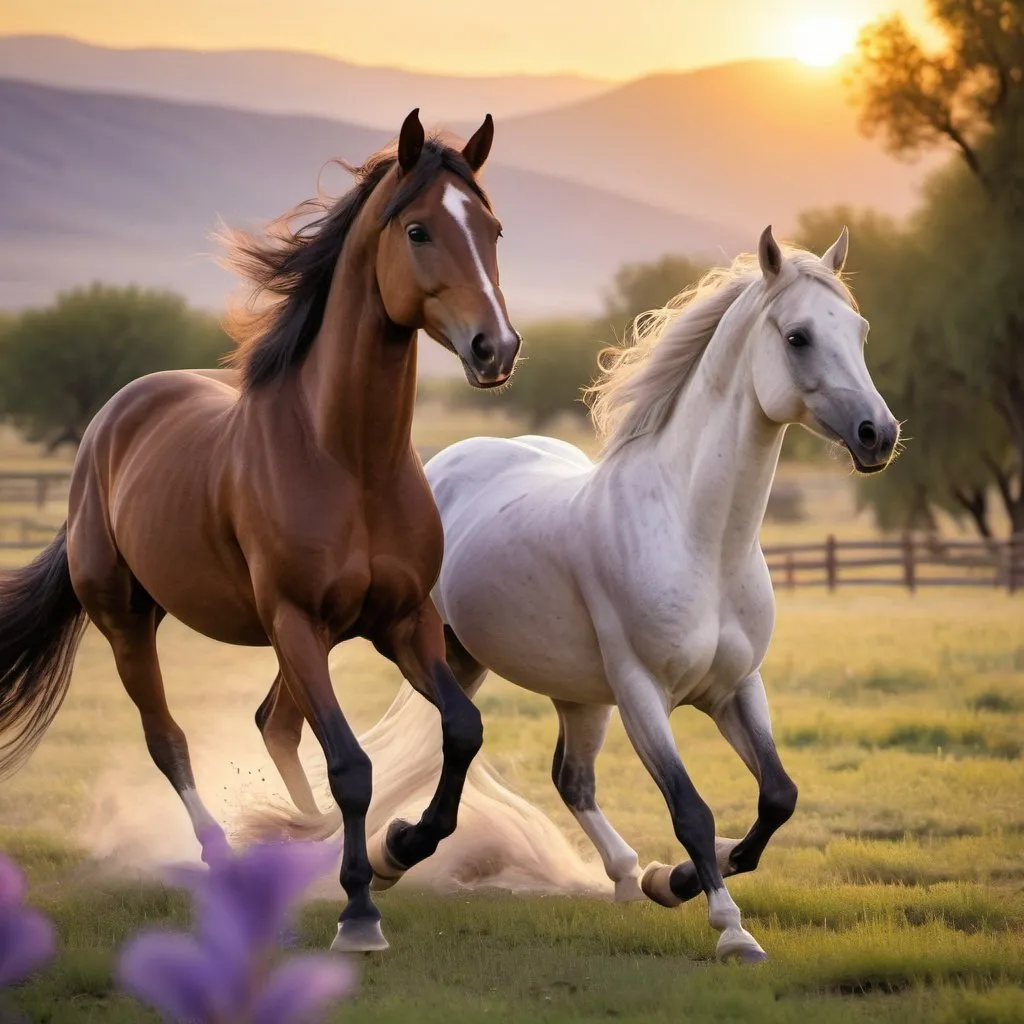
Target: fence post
point(790, 572)
point(830, 561)
point(909, 576)
point(1014, 553)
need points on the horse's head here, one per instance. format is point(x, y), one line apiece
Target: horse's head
point(809, 365)
point(437, 261)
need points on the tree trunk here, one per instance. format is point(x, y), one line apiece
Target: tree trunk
point(975, 503)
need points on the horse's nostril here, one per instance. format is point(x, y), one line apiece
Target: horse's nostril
point(868, 435)
point(482, 349)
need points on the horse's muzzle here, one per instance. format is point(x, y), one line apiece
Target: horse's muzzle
point(490, 360)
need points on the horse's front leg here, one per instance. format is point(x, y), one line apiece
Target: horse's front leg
point(745, 722)
point(644, 709)
point(417, 646)
point(301, 645)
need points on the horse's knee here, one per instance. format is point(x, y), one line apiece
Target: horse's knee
point(351, 782)
point(777, 802)
point(462, 731)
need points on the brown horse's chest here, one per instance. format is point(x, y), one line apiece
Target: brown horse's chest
point(405, 544)
point(377, 564)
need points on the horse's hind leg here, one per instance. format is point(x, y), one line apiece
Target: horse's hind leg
point(279, 720)
point(418, 649)
point(131, 632)
point(581, 733)
point(746, 724)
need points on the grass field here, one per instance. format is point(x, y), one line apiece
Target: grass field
point(895, 894)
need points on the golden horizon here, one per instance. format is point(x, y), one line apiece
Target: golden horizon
point(463, 38)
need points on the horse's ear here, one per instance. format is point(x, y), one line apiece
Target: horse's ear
point(835, 257)
point(769, 255)
point(410, 141)
point(479, 146)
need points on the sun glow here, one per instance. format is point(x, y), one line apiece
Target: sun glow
point(823, 41)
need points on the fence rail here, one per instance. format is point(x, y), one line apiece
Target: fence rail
point(33, 486)
point(909, 562)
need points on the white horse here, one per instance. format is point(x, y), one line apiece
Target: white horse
point(639, 581)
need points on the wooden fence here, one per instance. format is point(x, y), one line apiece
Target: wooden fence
point(35, 487)
point(23, 534)
point(910, 562)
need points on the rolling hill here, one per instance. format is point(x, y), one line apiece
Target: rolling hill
point(283, 82)
point(126, 189)
point(745, 144)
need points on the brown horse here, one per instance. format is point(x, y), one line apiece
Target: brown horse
point(292, 511)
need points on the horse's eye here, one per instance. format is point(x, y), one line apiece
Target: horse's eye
point(798, 338)
point(417, 234)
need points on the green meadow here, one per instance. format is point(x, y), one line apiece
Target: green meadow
point(896, 893)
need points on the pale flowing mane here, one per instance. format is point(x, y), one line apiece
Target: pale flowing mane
point(640, 381)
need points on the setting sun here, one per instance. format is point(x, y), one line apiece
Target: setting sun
point(823, 41)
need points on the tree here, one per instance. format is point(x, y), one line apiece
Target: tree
point(921, 287)
point(639, 287)
point(959, 95)
point(59, 365)
point(959, 307)
point(559, 359)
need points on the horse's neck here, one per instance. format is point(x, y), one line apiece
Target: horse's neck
point(360, 375)
point(718, 453)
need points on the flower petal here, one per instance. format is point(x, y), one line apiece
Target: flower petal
point(300, 989)
point(227, 946)
point(12, 883)
point(257, 888)
point(172, 973)
point(27, 941)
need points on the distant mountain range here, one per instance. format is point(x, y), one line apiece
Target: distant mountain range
point(106, 185)
point(744, 144)
point(285, 83)
point(128, 189)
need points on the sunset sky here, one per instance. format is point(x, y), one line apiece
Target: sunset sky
point(600, 38)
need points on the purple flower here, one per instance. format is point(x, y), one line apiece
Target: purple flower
point(27, 938)
point(222, 973)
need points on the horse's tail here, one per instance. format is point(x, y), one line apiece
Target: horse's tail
point(41, 626)
point(501, 840)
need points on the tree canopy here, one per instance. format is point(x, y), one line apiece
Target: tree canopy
point(945, 292)
point(637, 288)
point(59, 365)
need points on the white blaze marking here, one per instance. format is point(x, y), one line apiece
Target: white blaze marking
point(456, 202)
